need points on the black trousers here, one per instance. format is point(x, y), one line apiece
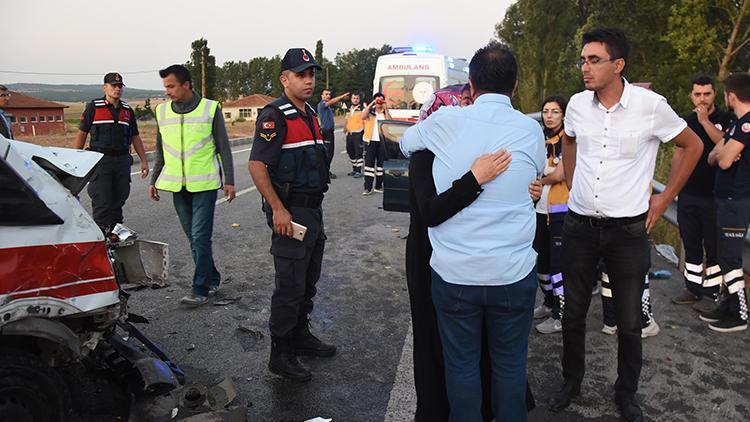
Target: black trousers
point(732, 219)
point(696, 216)
point(109, 188)
point(374, 157)
point(609, 311)
point(297, 267)
point(548, 246)
point(328, 140)
point(354, 149)
point(624, 247)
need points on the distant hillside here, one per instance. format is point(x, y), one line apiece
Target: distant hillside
point(78, 93)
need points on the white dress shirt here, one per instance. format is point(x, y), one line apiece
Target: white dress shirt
point(616, 150)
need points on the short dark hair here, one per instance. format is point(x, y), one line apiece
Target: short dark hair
point(739, 85)
point(494, 69)
point(355, 93)
point(559, 99)
point(180, 72)
point(3, 87)
point(378, 94)
point(614, 39)
point(703, 80)
point(326, 89)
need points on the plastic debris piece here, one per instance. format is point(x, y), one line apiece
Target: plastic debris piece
point(227, 301)
point(660, 274)
point(222, 394)
point(235, 225)
point(668, 253)
point(319, 419)
point(191, 347)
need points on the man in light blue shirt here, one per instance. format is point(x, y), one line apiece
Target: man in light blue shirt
point(483, 260)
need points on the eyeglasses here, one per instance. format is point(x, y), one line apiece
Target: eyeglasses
point(593, 61)
point(5, 94)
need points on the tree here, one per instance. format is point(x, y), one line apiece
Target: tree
point(201, 58)
point(712, 33)
point(355, 69)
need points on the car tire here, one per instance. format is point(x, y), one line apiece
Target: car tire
point(30, 390)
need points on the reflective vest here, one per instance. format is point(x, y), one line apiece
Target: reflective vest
point(190, 158)
point(302, 162)
point(557, 200)
point(354, 122)
point(108, 133)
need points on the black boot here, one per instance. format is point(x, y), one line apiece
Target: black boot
point(284, 362)
point(720, 310)
point(306, 344)
point(562, 398)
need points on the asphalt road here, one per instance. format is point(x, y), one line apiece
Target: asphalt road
point(689, 374)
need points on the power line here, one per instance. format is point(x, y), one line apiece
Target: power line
point(19, 72)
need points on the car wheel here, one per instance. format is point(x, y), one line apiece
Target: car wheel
point(30, 390)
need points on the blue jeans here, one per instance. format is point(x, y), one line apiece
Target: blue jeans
point(196, 213)
point(507, 312)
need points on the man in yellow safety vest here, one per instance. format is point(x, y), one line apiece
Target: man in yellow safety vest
point(193, 161)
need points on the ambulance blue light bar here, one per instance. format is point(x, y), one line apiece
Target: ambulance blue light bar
point(417, 48)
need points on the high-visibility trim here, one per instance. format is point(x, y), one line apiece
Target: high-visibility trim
point(299, 144)
point(736, 273)
point(714, 269)
point(694, 268)
point(606, 292)
point(693, 278)
point(605, 278)
point(289, 112)
point(202, 143)
point(283, 106)
point(736, 286)
point(124, 123)
point(201, 177)
point(556, 278)
point(100, 122)
point(713, 281)
point(173, 152)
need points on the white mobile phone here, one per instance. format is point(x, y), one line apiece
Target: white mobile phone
point(298, 231)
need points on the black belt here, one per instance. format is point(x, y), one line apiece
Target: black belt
point(111, 151)
point(304, 200)
point(607, 222)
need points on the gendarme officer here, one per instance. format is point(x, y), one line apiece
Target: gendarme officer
point(288, 165)
point(113, 128)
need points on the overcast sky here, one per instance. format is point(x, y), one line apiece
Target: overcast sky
point(76, 36)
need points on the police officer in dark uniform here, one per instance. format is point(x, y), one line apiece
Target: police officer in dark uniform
point(113, 128)
point(288, 165)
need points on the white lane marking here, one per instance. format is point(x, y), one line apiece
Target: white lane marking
point(233, 152)
point(242, 192)
point(403, 401)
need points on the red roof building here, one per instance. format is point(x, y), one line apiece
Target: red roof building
point(245, 107)
point(31, 116)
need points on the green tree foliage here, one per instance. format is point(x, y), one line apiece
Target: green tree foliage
point(711, 33)
point(200, 51)
point(355, 70)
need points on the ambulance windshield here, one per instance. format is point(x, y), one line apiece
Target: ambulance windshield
point(408, 91)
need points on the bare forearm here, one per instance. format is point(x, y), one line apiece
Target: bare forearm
point(569, 163)
point(80, 140)
point(713, 133)
point(139, 148)
point(261, 178)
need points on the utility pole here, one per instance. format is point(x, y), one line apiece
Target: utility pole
point(327, 77)
point(203, 74)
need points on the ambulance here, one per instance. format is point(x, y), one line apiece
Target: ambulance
point(410, 75)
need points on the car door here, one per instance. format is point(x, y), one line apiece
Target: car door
point(395, 166)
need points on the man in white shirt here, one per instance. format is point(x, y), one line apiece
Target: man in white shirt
point(612, 134)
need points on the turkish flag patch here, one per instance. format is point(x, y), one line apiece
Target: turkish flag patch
point(269, 125)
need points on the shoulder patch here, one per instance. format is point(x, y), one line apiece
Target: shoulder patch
point(718, 126)
point(746, 127)
point(269, 125)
